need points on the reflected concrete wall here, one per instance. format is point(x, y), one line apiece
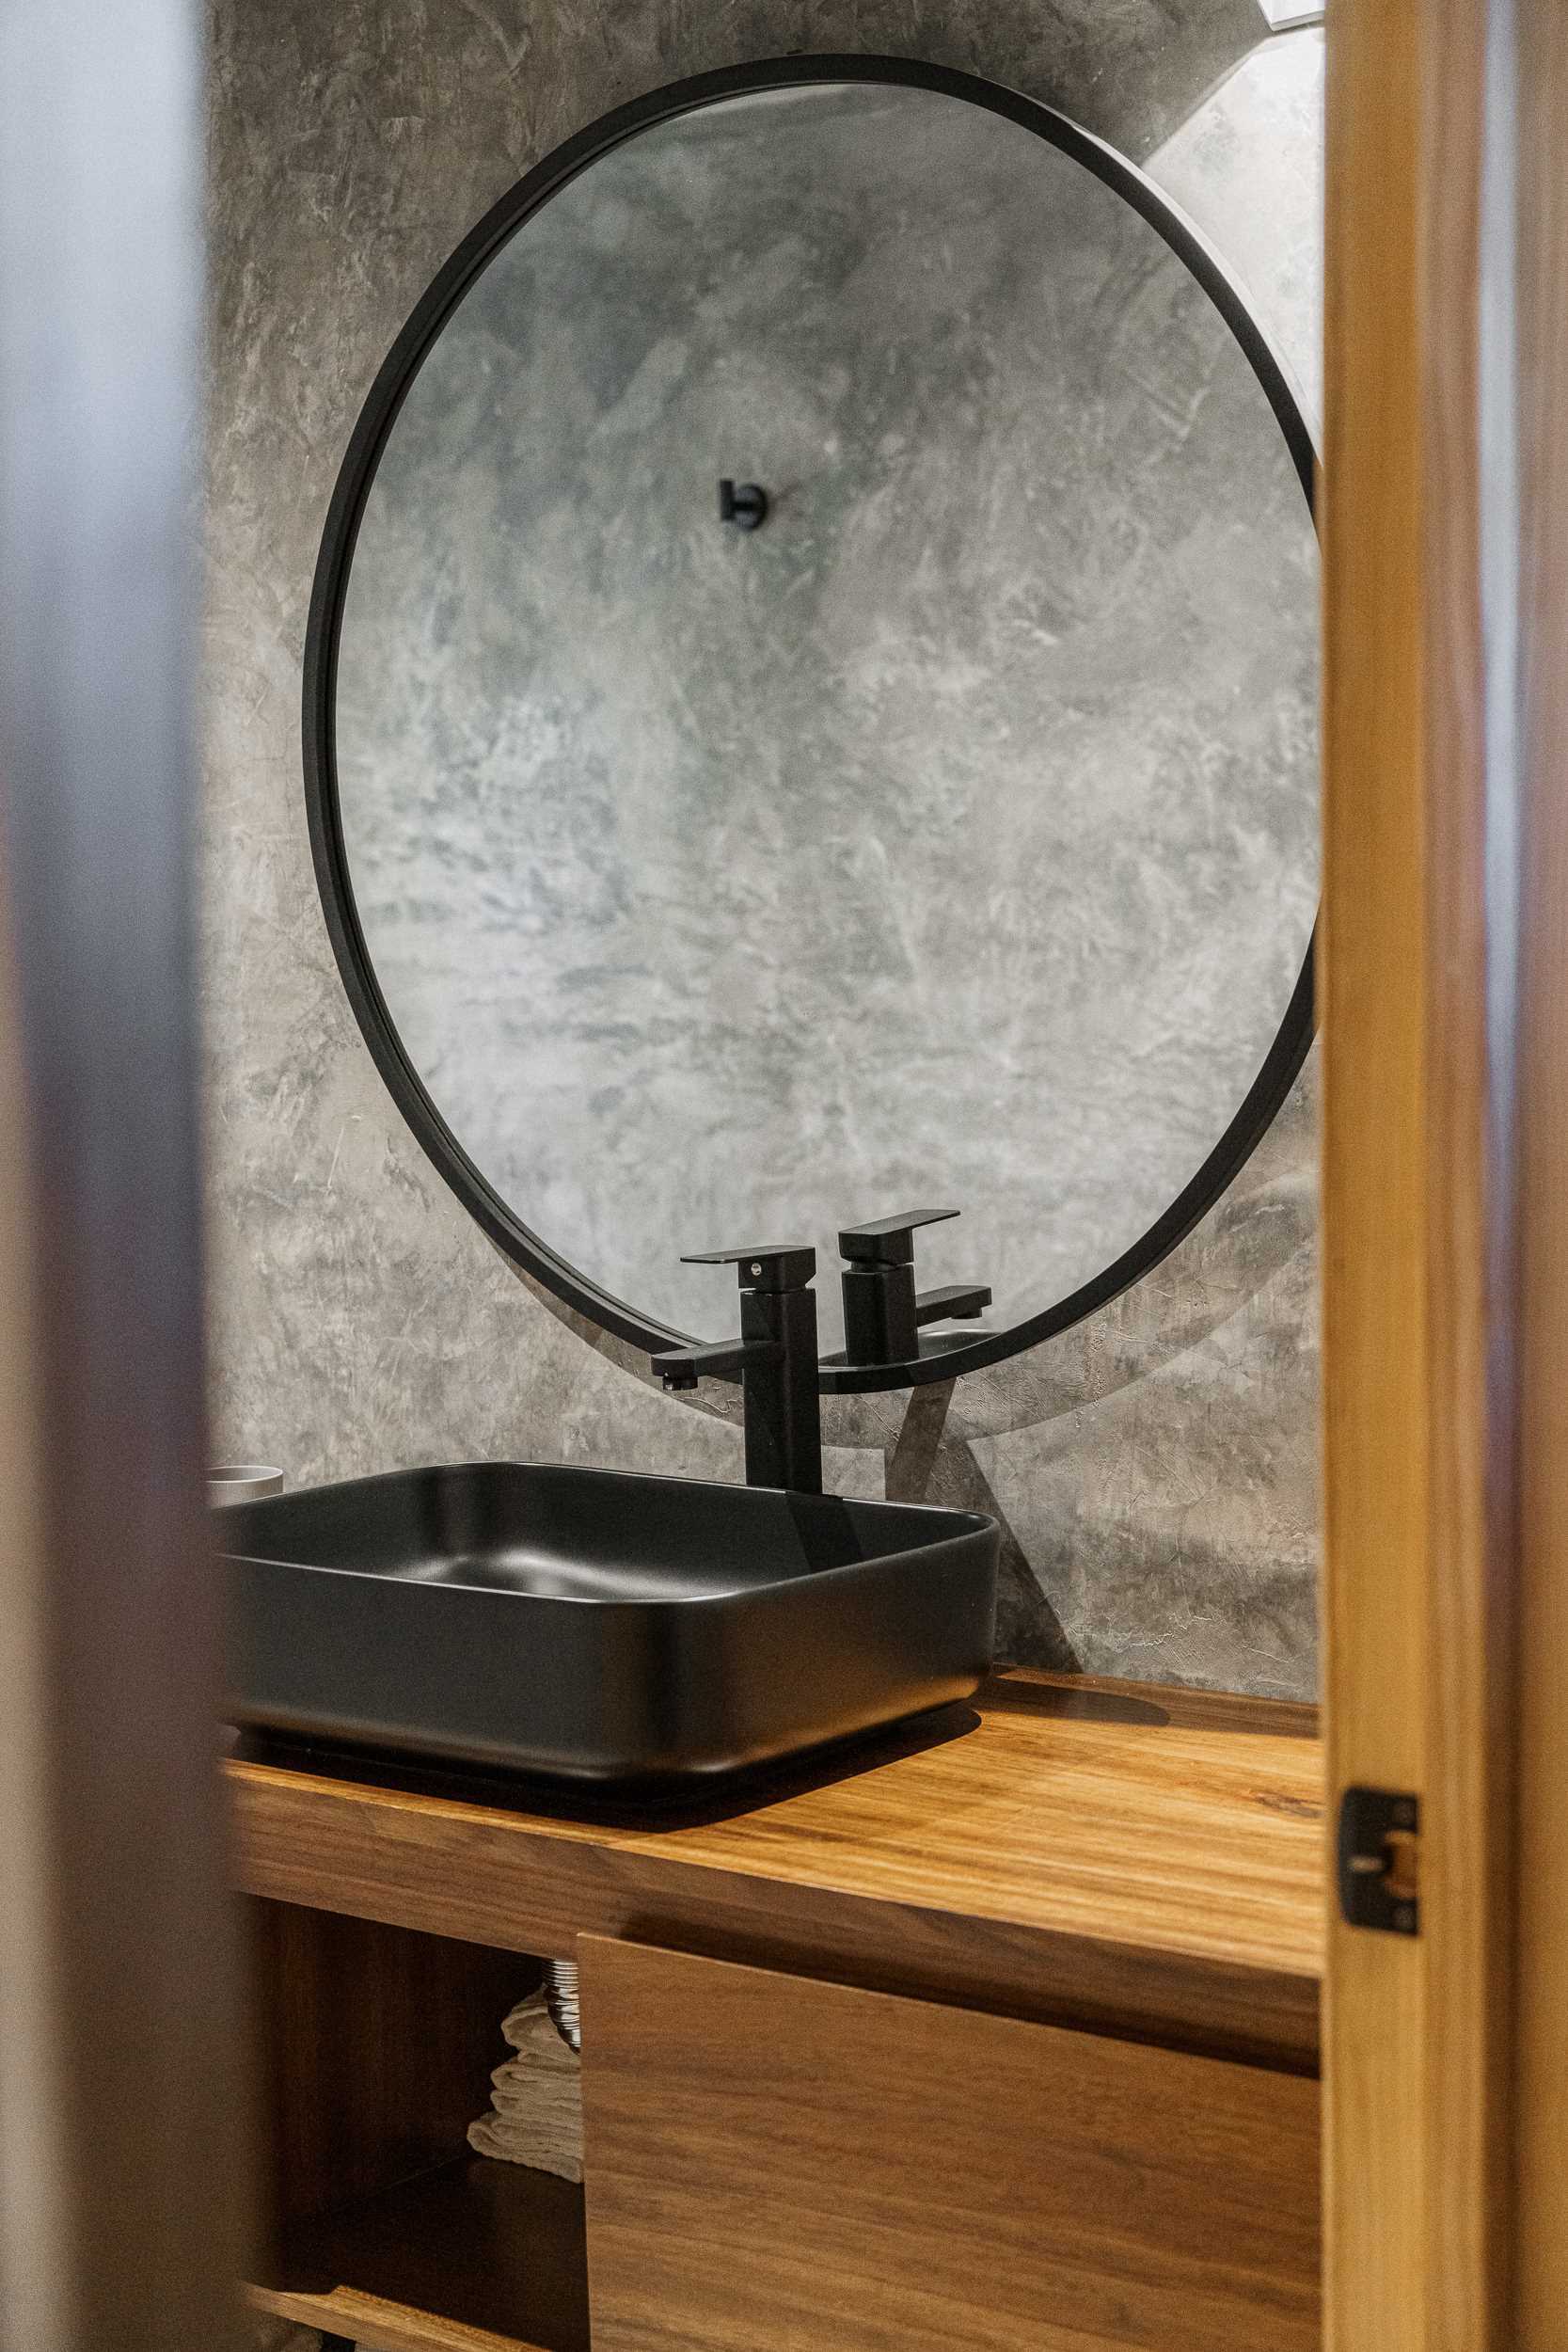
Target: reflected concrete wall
point(955, 835)
point(1156, 1469)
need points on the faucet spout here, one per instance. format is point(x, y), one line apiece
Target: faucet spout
point(683, 1367)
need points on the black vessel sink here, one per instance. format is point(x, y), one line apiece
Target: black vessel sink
point(599, 1627)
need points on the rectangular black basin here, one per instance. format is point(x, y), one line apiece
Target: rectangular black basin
point(599, 1627)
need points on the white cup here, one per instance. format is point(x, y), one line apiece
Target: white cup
point(242, 1482)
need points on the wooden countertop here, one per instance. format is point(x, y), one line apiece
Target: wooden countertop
point(1135, 1858)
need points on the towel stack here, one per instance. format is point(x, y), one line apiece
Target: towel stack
point(536, 2109)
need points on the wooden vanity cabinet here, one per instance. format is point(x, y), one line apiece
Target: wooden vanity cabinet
point(1004, 2041)
point(779, 2164)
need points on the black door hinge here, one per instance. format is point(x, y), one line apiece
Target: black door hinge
point(1380, 1840)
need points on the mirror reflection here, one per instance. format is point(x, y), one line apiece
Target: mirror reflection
point(939, 827)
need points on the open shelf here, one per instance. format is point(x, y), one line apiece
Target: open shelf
point(477, 2256)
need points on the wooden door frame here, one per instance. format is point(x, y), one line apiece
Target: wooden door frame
point(1445, 1002)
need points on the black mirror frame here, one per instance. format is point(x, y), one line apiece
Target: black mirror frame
point(947, 1358)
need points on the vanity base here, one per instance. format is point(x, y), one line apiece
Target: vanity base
point(952, 2038)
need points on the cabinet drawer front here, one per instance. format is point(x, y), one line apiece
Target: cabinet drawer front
point(779, 2165)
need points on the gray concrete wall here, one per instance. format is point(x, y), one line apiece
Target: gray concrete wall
point(1156, 1469)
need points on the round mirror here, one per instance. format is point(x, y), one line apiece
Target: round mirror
point(810, 705)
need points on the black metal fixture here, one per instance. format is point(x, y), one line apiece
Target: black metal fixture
point(499, 1218)
point(776, 1358)
point(1379, 1856)
point(883, 1311)
point(596, 1626)
point(743, 503)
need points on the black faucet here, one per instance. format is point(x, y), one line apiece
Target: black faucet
point(776, 1358)
point(882, 1313)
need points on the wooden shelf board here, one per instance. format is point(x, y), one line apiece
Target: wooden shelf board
point(477, 2256)
point(375, 2326)
point(1142, 1859)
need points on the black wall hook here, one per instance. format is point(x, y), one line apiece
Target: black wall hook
point(743, 503)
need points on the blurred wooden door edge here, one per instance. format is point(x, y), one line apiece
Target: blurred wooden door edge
point(1445, 1213)
point(122, 2184)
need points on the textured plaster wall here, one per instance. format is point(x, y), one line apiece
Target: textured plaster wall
point(1155, 1470)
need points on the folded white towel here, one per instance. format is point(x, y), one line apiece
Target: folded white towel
point(536, 2111)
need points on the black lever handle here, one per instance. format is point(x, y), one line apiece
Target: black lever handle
point(888, 1240)
point(743, 503)
point(769, 1266)
point(882, 1314)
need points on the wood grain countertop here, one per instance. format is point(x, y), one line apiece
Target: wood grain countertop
point(1128, 1857)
